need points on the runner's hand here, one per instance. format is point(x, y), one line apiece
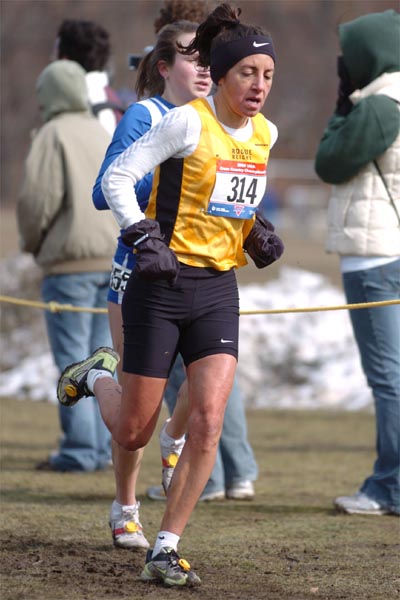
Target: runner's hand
point(262, 244)
point(154, 259)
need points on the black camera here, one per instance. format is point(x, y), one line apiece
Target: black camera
point(134, 59)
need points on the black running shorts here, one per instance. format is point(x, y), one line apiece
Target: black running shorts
point(198, 316)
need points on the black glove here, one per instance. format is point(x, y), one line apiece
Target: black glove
point(346, 87)
point(262, 244)
point(155, 260)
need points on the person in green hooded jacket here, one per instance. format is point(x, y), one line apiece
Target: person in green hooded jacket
point(359, 154)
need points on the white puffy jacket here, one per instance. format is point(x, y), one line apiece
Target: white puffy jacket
point(361, 218)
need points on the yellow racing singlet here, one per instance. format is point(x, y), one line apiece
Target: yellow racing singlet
point(205, 202)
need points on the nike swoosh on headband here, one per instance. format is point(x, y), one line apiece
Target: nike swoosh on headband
point(259, 45)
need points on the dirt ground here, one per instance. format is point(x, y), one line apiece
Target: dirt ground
point(287, 544)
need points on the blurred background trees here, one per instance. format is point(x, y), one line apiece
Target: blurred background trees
point(303, 96)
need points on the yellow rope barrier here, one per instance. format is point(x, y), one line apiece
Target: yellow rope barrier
point(56, 307)
point(275, 311)
point(51, 306)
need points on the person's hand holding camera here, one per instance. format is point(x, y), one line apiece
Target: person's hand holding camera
point(346, 87)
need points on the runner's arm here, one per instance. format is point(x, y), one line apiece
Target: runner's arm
point(156, 146)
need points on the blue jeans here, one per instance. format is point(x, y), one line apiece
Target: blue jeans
point(235, 459)
point(73, 336)
point(377, 333)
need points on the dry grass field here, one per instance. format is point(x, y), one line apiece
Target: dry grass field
point(287, 544)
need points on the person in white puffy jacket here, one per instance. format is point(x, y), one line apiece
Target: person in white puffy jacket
point(360, 154)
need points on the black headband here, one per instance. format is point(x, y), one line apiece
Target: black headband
point(223, 57)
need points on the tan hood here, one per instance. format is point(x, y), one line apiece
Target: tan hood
point(61, 87)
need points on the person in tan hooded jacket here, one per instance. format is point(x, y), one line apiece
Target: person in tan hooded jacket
point(73, 244)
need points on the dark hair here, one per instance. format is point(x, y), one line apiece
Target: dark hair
point(149, 81)
point(221, 26)
point(181, 10)
point(85, 42)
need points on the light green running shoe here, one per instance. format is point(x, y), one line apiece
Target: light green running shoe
point(72, 386)
point(169, 568)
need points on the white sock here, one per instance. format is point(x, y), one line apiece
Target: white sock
point(117, 508)
point(169, 440)
point(94, 375)
point(165, 539)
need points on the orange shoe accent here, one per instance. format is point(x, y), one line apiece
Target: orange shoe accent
point(71, 390)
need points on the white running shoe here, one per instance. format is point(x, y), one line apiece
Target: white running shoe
point(212, 496)
point(170, 452)
point(156, 492)
point(359, 504)
point(126, 528)
point(241, 490)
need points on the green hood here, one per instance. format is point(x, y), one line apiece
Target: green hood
point(371, 46)
point(61, 87)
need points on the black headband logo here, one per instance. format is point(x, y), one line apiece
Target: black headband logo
point(224, 57)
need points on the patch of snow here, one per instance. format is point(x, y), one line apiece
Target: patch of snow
point(299, 360)
point(291, 360)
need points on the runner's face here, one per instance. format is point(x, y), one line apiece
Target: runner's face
point(245, 87)
point(185, 80)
